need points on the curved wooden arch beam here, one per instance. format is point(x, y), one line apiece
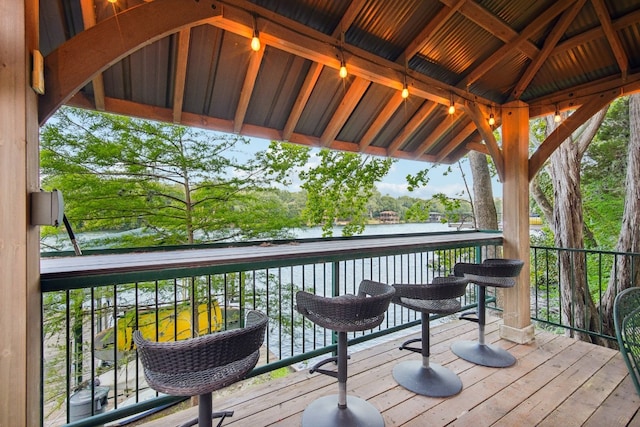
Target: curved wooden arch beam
point(487, 135)
point(74, 63)
point(566, 128)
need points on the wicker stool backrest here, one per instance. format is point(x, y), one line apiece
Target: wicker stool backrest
point(205, 352)
point(440, 288)
point(492, 272)
point(348, 313)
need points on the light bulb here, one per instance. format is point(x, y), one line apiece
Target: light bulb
point(343, 70)
point(452, 109)
point(405, 92)
point(255, 42)
point(557, 118)
point(492, 120)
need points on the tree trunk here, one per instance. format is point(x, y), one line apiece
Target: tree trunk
point(578, 308)
point(626, 271)
point(484, 205)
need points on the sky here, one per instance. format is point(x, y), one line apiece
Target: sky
point(395, 184)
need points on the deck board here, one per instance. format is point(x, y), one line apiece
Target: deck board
point(556, 381)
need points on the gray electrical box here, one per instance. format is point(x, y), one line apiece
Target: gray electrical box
point(47, 208)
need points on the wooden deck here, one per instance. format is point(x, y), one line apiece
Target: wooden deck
point(556, 381)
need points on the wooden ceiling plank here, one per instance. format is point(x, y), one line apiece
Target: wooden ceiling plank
point(301, 100)
point(493, 25)
point(566, 128)
point(247, 88)
point(456, 141)
point(534, 27)
point(612, 36)
point(349, 102)
point(98, 49)
point(549, 44)
point(184, 37)
point(381, 120)
point(89, 20)
point(412, 125)
point(486, 133)
point(447, 124)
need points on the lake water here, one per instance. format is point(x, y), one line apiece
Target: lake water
point(62, 242)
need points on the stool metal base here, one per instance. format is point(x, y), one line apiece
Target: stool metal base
point(434, 381)
point(324, 412)
point(483, 354)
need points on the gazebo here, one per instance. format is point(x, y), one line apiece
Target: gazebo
point(416, 79)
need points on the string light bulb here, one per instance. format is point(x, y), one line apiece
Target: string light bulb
point(343, 69)
point(255, 40)
point(452, 108)
point(405, 89)
point(557, 117)
point(492, 120)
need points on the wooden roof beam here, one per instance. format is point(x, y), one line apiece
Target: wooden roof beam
point(247, 88)
point(549, 44)
point(493, 25)
point(381, 120)
point(89, 20)
point(612, 37)
point(349, 102)
point(184, 37)
point(447, 124)
point(533, 28)
point(456, 141)
point(409, 129)
point(315, 70)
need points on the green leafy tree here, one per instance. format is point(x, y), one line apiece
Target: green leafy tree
point(339, 188)
point(179, 185)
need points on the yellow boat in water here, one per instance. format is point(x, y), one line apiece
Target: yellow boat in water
point(164, 324)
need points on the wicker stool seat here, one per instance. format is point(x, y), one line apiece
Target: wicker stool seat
point(346, 313)
point(439, 297)
point(494, 272)
point(199, 366)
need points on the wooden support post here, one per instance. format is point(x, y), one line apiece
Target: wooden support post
point(20, 307)
point(517, 325)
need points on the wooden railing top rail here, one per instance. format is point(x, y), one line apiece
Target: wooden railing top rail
point(116, 268)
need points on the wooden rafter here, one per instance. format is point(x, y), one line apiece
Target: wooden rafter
point(182, 56)
point(89, 20)
point(447, 124)
point(247, 88)
point(349, 102)
point(566, 128)
point(315, 70)
point(456, 141)
point(409, 129)
point(531, 29)
point(549, 44)
point(380, 121)
point(95, 45)
point(490, 23)
point(612, 36)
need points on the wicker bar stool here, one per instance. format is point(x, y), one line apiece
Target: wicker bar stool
point(497, 272)
point(199, 366)
point(346, 313)
point(439, 297)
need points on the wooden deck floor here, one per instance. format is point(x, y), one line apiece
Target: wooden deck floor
point(556, 381)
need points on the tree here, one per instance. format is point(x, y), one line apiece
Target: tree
point(339, 188)
point(567, 224)
point(177, 184)
point(626, 272)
